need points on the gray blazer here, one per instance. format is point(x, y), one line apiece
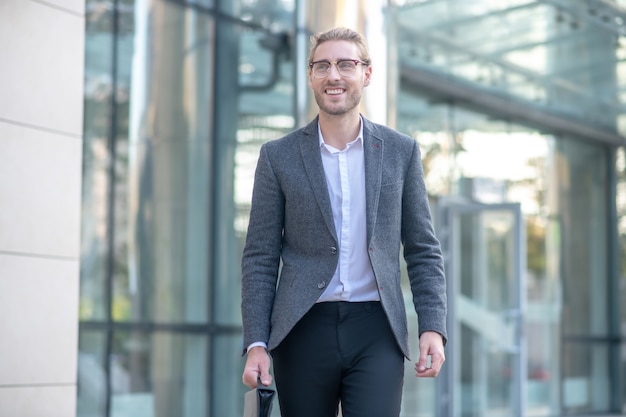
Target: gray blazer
point(291, 221)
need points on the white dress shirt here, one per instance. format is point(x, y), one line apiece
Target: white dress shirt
point(345, 177)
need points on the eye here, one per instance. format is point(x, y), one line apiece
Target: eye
point(345, 65)
point(322, 66)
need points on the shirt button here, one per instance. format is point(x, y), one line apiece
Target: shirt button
point(321, 284)
point(333, 250)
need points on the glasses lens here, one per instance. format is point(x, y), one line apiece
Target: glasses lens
point(321, 69)
point(346, 68)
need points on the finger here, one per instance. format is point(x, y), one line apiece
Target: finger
point(428, 373)
point(434, 369)
point(249, 377)
point(257, 367)
point(266, 378)
point(422, 364)
point(437, 362)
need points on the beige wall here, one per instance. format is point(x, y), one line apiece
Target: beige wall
point(41, 116)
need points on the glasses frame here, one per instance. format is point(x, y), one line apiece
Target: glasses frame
point(336, 64)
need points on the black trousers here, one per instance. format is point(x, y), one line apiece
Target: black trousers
point(340, 352)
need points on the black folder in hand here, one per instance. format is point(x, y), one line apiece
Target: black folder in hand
point(258, 402)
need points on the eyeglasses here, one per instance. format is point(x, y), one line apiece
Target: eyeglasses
point(346, 67)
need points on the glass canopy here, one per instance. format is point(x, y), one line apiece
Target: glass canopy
point(563, 60)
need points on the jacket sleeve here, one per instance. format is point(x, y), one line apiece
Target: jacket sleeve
point(261, 254)
point(422, 251)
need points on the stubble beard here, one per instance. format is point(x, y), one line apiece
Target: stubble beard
point(336, 109)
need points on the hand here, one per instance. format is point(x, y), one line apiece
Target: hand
point(431, 344)
point(257, 363)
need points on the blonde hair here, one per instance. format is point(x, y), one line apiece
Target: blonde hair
point(340, 34)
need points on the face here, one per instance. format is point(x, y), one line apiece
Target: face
point(335, 94)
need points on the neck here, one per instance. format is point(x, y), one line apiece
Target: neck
point(338, 131)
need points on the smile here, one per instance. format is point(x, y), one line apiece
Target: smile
point(334, 91)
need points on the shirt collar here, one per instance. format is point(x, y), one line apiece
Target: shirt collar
point(359, 137)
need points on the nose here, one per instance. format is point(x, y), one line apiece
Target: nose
point(333, 72)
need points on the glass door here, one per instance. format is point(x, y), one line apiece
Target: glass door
point(484, 251)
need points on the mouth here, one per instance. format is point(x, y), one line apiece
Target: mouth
point(334, 91)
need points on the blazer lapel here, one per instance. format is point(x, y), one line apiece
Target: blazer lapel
point(312, 160)
point(373, 154)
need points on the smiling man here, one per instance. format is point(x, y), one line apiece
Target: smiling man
point(335, 202)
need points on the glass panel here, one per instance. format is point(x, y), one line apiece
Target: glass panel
point(485, 248)
point(544, 303)
point(97, 125)
point(226, 271)
point(163, 164)
point(621, 285)
point(559, 56)
point(473, 155)
point(622, 369)
point(159, 374)
point(120, 307)
point(91, 390)
point(582, 206)
point(562, 187)
point(264, 110)
point(586, 379)
point(173, 192)
point(274, 14)
point(205, 3)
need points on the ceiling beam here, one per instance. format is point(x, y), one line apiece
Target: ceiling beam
point(446, 88)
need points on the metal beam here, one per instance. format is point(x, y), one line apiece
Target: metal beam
point(451, 89)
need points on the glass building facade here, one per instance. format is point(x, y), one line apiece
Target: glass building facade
point(519, 108)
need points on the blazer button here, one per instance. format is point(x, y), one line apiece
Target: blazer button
point(333, 250)
point(321, 284)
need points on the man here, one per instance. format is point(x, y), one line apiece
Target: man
point(334, 201)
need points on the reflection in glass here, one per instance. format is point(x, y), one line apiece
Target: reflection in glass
point(586, 378)
point(529, 51)
point(582, 206)
point(159, 374)
point(620, 165)
point(486, 297)
point(163, 166)
point(91, 381)
point(165, 195)
point(95, 181)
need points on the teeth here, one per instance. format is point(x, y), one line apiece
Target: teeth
point(334, 91)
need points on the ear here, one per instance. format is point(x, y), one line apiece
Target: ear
point(310, 79)
point(368, 76)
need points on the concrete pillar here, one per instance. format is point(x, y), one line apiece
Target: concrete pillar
point(41, 124)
